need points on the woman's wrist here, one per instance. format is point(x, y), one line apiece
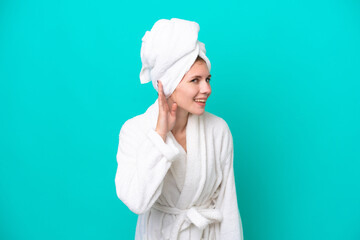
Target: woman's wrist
point(162, 135)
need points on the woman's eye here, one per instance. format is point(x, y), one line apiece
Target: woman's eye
point(208, 79)
point(194, 80)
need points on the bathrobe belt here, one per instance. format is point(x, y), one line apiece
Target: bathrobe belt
point(200, 216)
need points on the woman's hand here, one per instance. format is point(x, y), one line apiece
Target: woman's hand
point(167, 116)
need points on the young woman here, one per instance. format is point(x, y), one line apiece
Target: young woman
point(175, 161)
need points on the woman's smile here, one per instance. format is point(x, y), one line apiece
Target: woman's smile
point(201, 101)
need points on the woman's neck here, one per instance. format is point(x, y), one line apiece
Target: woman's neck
point(181, 121)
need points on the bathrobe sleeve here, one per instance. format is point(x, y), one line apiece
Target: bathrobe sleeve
point(143, 160)
point(231, 225)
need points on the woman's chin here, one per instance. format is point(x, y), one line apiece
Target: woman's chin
point(198, 112)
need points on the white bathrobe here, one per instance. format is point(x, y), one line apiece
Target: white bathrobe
point(179, 195)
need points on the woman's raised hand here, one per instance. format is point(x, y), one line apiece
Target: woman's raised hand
point(167, 116)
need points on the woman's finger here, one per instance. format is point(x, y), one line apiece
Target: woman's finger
point(162, 96)
point(160, 100)
point(173, 109)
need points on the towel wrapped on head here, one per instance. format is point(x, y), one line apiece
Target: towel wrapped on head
point(168, 51)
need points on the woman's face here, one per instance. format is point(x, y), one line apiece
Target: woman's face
point(194, 89)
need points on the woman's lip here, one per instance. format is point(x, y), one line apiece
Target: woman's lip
point(201, 103)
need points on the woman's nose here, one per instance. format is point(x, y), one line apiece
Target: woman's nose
point(205, 87)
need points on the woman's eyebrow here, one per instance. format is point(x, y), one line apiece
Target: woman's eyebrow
point(198, 76)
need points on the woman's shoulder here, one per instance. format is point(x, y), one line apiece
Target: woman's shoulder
point(219, 129)
point(213, 120)
point(138, 122)
point(218, 124)
point(142, 121)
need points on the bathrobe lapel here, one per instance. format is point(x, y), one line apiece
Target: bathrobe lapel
point(196, 162)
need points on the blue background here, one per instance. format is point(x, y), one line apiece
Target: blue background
point(286, 78)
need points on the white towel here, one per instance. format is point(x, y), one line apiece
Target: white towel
point(168, 51)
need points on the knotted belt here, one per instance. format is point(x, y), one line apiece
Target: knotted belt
point(200, 216)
